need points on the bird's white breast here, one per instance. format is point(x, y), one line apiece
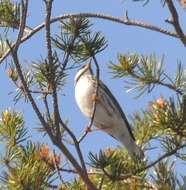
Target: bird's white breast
point(84, 91)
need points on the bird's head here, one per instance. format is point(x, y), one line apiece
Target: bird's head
point(84, 70)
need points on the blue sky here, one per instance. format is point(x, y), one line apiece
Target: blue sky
point(121, 39)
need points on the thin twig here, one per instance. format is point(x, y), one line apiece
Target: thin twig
point(21, 25)
point(69, 50)
point(175, 21)
point(53, 186)
point(47, 27)
point(67, 170)
point(150, 165)
point(184, 108)
point(168, 154)
point(76, 144)
point(50, 60)
point(99, 16)
point(40, 92)
point(57, 167)
point(79, 170)
point(158, 82)
point(163, 157)
point(172, 87)
point(48, 115)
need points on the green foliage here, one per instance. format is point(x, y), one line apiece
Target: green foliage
point(163, 121)
point(9, 14)
point(116, 164)
point(145, 72)
point(77, 41)
point(12, 129)
point(164, 176)
point(20, 91)
point(30, 171)
point(3, 47)
point(14, 77)
point(48, 76)
point(27, 166)
point(180, 79)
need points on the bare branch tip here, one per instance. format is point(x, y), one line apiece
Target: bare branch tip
point(126, 15)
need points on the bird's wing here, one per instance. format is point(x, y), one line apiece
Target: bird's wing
point(106, 98)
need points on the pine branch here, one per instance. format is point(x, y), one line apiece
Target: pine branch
point(14, 50)
point(159, 82)
point(94, 15)
point(45, 101)
point(50, 60)
point(65, 127)
point(59, 144)
point(166, 155)
point(175, 21)
point(57, 118)
point(76, 143)
point(184, 109)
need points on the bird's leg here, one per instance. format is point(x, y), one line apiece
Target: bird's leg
point(101, 127)
point(94, 98)
point(88, 129)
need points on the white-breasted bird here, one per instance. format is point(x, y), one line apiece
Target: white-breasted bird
point(109, 116)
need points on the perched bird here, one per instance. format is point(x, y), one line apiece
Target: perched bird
point(109, 116)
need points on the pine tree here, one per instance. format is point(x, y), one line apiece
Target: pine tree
point(29, 165)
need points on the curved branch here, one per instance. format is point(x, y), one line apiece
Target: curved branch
point(150, 165)
point(175, 21)
point(158, 82)
point(166, 155)
point(95, 15)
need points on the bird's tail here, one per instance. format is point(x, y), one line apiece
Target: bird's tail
point(136, 151)
point(133, 149)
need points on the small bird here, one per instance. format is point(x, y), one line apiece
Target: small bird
point(109, 116)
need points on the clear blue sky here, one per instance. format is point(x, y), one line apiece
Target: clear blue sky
point(121, 39)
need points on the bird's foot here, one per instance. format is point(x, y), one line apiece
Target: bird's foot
point(89, 129)
point(103, 127)
point(95, 98)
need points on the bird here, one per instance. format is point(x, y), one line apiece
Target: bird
point(108, 116)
